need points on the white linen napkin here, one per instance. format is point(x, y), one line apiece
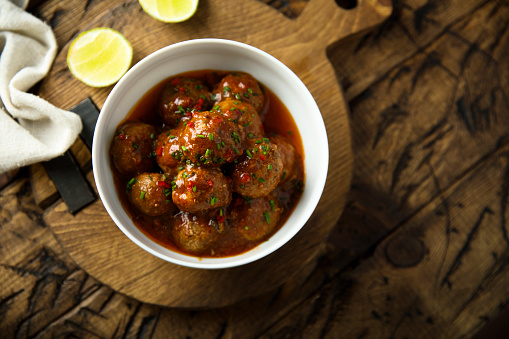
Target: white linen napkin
point(31, 129)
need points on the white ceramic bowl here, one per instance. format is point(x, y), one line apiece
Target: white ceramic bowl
point(220, 55)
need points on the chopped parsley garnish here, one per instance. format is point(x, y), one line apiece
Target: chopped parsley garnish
point(130, 184)
point(266, 215)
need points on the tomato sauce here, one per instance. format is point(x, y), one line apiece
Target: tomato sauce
point(276, 119)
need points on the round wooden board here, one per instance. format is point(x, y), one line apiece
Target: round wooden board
point(99, 247)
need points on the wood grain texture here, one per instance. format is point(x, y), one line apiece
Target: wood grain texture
point(363, 284)
point(95, 243)
point(444, 294)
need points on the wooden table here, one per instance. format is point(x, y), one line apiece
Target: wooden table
point(421, 249)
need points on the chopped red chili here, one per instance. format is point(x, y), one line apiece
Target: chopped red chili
point(190, 185)
point(210, 183)
point(182, 90)
point(163, 184)
point(220, 218)
point(262, 157)
point(175, 81)
point(228, 154)
point(121, 136)
point(190, 124)
point(159, 151)
point(245, 177)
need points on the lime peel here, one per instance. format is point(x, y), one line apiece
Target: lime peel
point(99, 57)
point(170, 11)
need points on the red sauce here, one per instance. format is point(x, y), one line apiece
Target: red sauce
point(276, 119)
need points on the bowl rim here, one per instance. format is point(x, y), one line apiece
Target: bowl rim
point(204, 263)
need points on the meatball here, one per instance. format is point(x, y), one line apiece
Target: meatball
point(132, 148)
point(210, 139)
point(288, 156)
point(150, 193)
point(259, 171)
point(180, 97)
point(255, 219)
point(168, 152)
point(246, 117)
point(200, 189)
point(242, 87)
point(195, 233)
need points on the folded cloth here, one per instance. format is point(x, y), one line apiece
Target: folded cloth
point(31, 129)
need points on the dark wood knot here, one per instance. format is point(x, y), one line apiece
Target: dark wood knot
point(404, 251)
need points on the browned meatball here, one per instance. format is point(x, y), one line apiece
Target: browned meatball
point(150, 193)
point(255, 219)
point(242, 87)
point(244, 115)
point(199, 189)
point(180, 97)
point(288, 156)
point(167, 150)
point(259, 171)
point(195, 233)
point(210, 139)
point(132, 148)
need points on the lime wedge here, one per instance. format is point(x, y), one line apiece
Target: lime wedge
point(170, 10)
point(99, 57)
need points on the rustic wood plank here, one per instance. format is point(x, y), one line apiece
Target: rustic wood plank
point(35, 274)
point(411, 28)
point(431, 119)
point(444, 273)
point(44, 190)
point(8, 177)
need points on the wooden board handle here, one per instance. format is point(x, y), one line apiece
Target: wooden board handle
point(340, 22)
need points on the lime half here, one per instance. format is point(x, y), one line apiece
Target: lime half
point(170, 10)
point(99, 57)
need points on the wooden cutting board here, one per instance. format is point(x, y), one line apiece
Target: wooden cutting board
point(92, 239)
